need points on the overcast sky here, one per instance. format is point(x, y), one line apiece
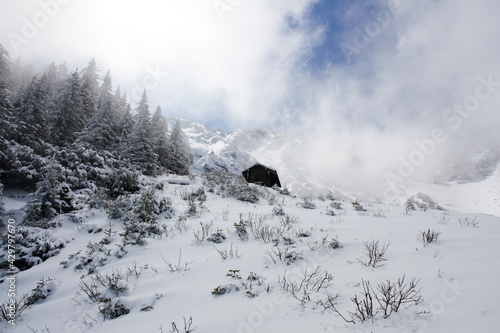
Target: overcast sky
point(369, 73)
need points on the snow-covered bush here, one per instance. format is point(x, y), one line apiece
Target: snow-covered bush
point(195, 195)
point(121, 181)
point(421, 201)
point(143, 221)
point(229, 185)
point(333, 207)
point(112, 309)
point(105, 290)
point(120, 208)
point(358, 207)
point(253, 285)
point(20, 164)
point(306, 203)
point(217, 237)
point(35, 245)
point(43, 289)
point(95, 256)
point(241, 228)
point(278, 210)
point(52, 197)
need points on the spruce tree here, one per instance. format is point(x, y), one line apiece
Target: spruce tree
point(125, 128)
point(101, 130)
point(4, 64)
point(31, 114)
point(140, 143)
point(160, 138)
point(5, 102)
point(52, 197)
point(54, 89)
point(69, 119)
point(179, 159)
point(90, 89)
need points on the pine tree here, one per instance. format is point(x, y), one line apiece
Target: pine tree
point(5, 102)
point(101, 130)
point(125, 128)
point(179, 159)
point(69, 119)
point(54, 90)
point(90, 89)
point(52, 197)
point(140, 143)
point(144, 219)
point(6, 129)
point(31, 114)
point(4, 64)
point(160, 139)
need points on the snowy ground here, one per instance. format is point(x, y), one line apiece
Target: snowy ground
point(458, 274)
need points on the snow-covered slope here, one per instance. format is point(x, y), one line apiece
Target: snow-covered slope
point(183, 275)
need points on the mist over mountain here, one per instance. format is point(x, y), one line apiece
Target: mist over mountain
point(292, 156)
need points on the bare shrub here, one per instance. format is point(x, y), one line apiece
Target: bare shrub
point(180, 225)
point(364, 305)
point(443, 220)
point(262, 231)
point(282, 254)
point(326, 241)
point(429, 236)
point(267, 233)
point(177, 267)
point(225, 214)
point(468, 222)
point(10, 311)
point(308, 284)
point(203, 234)
point(374, 253)
point(188, 326)
point(388, 295)
point(380, 213)
point(394, 294)
point(231, 253)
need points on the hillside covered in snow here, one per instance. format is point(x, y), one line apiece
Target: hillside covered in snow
point(216, 255)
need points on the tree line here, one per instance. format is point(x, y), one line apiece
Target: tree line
point(72, 130)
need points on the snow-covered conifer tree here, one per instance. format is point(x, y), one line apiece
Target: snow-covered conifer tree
point(5, 102)
point(90, 89)
point(140, 143)
point(69, 119)
point(101, 130)
point(31, 114)
point(179, 159)
point(52, 197)
point(160, 137)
